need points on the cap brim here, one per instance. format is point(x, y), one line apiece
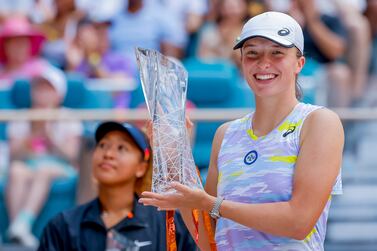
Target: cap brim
point(107, 127)
point(280, 41)
point(137, 136)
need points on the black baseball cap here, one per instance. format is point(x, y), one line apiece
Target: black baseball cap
point(136, 134)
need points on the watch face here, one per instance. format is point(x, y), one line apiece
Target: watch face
point(214, 215)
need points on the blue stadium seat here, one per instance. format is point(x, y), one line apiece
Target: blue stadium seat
point(62, 196)
point(214, 84)
point(5, 103)
point(3, 212)
point(311, 81)
point(352, 222)
point(137, 96)
point(78, 95)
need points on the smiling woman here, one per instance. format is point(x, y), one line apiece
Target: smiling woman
point(272, 172)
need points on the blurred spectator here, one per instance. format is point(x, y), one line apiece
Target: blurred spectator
point(41, 9)
point(16, 7)
point(335, 36)
point(190, 16)
point(371, 14)
point(20, 45)
point(60, 31)
point(217, 39)
point(358, 44)
point(40, 152)
point(325, 42)
point(90, 55)
point(146, 24)
point(104, 8)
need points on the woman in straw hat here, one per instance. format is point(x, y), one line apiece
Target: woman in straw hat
point(20, 45)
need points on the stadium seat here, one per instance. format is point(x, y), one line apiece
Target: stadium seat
point(3, 212)
point(353, 217)
point(78, 95)
point(5, 103)
point(62, 196)
point(311, 81)
point(213, 84)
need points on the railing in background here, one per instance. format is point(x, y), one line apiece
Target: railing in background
point(353, 219)
point(358, 114)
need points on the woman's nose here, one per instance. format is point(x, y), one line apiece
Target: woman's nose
point(109, 152)
point(264, 62)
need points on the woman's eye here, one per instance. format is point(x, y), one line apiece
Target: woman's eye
point(101, 145)
point(277, 52)
point(122, 148)
point(251, 54)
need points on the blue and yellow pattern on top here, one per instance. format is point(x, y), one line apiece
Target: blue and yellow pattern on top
point(256, 169)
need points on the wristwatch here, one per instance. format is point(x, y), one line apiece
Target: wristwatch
point(215, 212)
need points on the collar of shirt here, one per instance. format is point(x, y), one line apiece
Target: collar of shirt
point(93, 216)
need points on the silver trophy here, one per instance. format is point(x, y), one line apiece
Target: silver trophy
point(164, 83)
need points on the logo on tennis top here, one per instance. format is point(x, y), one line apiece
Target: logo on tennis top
point(250, 157)
point(290, 130)
point(284, 32)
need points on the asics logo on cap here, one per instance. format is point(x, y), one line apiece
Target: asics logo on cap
point(284, 32)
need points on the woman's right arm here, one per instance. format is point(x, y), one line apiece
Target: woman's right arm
point(210, 188)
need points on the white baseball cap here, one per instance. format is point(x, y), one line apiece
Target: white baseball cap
point(275, 26)
point(55, 77)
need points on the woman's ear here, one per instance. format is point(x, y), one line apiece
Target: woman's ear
point(300, 64)
point(141, 169)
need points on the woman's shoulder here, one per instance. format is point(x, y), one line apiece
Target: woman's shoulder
point(323, 116)
point(236, 124)
point(322, 123)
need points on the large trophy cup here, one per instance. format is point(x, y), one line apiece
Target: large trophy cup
point(164, 83)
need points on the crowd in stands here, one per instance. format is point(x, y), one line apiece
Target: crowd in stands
point(45, 41)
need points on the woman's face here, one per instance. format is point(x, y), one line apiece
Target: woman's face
point(44, 95)
point(269, 68)
point(87, 38)
point(17, 49)
point(233, 8)
point(117, 160)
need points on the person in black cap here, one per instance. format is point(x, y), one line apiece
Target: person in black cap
point(115, 220)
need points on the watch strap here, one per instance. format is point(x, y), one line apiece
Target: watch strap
point(215, 212)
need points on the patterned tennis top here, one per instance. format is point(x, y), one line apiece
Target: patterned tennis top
point(256, 169)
